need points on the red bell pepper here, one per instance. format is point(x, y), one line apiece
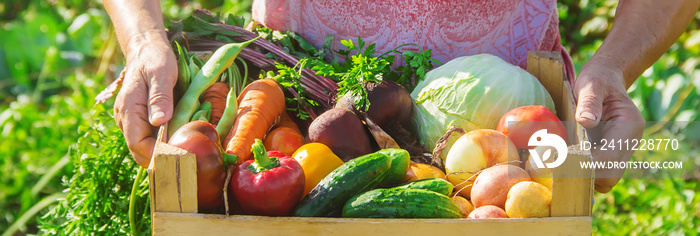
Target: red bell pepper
point(271, 184)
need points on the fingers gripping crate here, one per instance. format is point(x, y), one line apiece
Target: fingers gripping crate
point(173, 186)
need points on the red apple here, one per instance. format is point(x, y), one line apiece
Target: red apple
point(519, 124)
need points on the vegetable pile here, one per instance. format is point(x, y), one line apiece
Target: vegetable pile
point(281, 128)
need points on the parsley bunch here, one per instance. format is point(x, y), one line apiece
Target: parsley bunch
point(290, 77)
point(359, 68)
point(353, 67)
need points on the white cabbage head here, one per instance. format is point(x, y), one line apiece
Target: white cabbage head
point(472, 92)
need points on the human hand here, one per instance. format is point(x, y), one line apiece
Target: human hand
point(602, 96)
point(146, 97)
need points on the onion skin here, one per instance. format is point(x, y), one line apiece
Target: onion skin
point(475, 151)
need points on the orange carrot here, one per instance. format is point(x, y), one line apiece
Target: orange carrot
point(259, 106)
point(216, 95)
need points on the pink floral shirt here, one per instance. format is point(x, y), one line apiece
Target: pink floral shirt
point(451, 28)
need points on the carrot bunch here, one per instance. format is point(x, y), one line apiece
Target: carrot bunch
point(239, 119)
point(188, 104)
point(216, 96)
point(260, 105)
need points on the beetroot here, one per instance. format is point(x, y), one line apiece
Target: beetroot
point(342, 131)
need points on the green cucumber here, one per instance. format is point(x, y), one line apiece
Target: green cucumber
point(400, 160)
point(401, 203)
point(437, 185)
point(353, 177)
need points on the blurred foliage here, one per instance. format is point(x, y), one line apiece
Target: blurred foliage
point(56, 55)
point(98, 197)
point(667, 206)
point(664, 205)
point(47, 86)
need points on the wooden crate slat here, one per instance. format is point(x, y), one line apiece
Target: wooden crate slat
point(173, 174)
point(188, 184)
point(203, 224)
point(572, 193)
point(572, 186)
point(548, 68)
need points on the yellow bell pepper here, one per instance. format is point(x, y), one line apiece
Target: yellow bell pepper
point(317, 161)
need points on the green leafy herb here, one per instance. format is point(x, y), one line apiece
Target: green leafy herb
point(290, 77)
point(358, 69)
point(416, 66)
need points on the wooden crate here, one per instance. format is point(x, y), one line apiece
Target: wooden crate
point(173, 186)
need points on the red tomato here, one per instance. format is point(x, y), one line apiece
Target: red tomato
point(196, 137)
point(517, 125)
point(284, 140)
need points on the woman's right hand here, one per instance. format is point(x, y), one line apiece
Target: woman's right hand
point(145, 100)
point(146, 97)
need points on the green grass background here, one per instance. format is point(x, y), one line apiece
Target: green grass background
point(55, 56)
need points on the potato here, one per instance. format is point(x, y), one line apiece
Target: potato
point(492, 185)
point(540, 175)
point(487, 211)
point(528, 199)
